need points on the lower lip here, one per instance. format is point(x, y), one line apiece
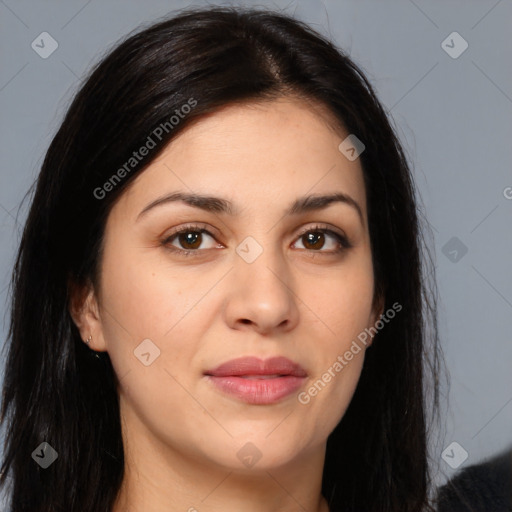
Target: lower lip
point(258, 391)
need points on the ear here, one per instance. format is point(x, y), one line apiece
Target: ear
point(84, 310)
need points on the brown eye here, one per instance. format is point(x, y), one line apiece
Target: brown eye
point(189, 239)
point(315, 239)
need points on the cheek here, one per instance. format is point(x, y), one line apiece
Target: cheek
point(139, 305)
point(343, 303)
point(154, 401)
point(325, 400)
point(344, 309)
point(143, 302)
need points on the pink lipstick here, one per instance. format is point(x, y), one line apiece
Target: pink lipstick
point(257, 381)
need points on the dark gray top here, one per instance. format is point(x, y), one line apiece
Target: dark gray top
point(484, 487)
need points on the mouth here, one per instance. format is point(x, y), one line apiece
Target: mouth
point(254, 367)
point(261, 376)
point(257, 382)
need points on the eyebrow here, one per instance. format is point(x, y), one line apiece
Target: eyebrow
point(213, 204)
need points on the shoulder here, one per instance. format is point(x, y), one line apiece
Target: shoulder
point(484, 487)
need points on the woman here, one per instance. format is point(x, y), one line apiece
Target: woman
point(218, 300)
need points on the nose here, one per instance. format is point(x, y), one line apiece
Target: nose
point(261, 295)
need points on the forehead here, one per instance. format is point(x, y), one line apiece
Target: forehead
point(258, 154)
point(284, 123)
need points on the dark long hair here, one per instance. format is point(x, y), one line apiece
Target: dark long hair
point(56, 390)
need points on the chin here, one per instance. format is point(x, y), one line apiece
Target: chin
point(258, 452)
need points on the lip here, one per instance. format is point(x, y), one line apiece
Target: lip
point(257, 381)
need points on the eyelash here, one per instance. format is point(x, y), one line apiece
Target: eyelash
point(201, 228)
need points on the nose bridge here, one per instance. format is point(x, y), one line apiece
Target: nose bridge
point(261, 261)
point(263, 293)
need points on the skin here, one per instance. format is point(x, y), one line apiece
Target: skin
point(181, 435)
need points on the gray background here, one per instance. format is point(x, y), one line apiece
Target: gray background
point(454, 116)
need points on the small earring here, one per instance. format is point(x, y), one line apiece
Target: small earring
point(88, 340)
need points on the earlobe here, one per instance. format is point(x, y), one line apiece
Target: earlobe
point(84, 311)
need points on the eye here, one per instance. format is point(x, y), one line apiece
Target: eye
point(190, 238)
point(315, 239)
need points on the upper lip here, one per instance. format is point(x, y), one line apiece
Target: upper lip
point(255, 366)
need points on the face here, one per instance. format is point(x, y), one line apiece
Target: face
point(257, 281)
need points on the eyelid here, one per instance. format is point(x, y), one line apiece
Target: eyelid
point(322, 227)
point(199, 227)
